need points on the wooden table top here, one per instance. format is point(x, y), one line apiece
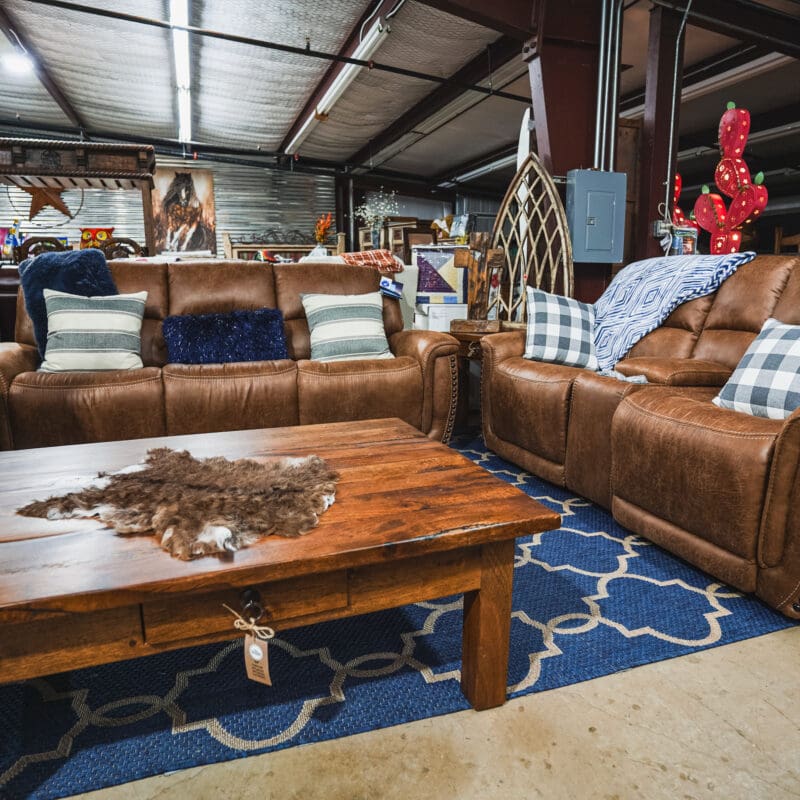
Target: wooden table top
point(400, 495)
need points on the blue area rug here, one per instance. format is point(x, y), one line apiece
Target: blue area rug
point(589, 600)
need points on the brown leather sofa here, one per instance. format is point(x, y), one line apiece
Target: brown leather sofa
point(714, 486)
point(42, 409)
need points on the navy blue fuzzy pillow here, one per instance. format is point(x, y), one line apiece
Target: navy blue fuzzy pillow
point(221, 338)
point(83, 272)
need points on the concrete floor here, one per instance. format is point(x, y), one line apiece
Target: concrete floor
point(724, 723)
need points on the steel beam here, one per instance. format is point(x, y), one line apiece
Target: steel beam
point(659, 122)
point(497, 55)
point(562, 64)
point(746, 21)
point(513, 18)
point(15, 35)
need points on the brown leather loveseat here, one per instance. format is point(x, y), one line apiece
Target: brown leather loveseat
point(714, 486)
point(42, 409)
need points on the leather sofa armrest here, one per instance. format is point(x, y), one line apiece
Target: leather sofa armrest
point(676, 371)
point(436, 354)
point(498, 347)
point(14, 360)
point(779, 540)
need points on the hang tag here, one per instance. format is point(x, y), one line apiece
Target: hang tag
point(256, 660)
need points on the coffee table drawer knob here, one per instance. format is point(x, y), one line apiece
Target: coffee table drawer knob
point(252, 605)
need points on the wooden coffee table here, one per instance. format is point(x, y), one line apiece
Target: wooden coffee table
point(413, 520)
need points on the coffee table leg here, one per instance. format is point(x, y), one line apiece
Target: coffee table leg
point(487, 628)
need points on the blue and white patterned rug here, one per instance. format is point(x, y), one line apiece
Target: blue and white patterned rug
point(589, 600)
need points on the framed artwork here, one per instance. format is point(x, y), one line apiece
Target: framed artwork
point(183, 210)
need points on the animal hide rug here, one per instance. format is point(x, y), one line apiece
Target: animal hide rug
point(202, 506)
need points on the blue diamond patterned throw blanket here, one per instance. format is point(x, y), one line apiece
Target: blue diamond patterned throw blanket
point(645, 293)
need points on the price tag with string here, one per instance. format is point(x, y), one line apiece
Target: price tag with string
point(256, 655)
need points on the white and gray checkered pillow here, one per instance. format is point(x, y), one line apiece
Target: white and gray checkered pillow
point(766, 382)
point(560, 330)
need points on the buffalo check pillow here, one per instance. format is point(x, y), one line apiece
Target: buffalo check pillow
point(90, 334)
point(345, 327)
point(560, 330)
point(766, 382)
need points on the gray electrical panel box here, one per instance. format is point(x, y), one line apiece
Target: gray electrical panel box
point(596, 214)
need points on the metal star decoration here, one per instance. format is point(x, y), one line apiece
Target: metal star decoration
point(45, 196)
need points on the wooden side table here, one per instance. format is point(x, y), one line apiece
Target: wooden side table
point(469, 334)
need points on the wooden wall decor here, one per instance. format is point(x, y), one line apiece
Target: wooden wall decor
point(57, 166)
point(531, 228)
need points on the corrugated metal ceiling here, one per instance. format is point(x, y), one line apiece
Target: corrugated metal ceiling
point(117, 75)
point(248, 96)
point(421, 38)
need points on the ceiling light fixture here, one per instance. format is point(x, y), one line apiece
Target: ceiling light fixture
point(18, 63)
point(346, 75)
point(478, 172)
point(179, 15)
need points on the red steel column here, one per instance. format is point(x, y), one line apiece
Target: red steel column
point(664, 27)
point(562, 65)
point(563, 61)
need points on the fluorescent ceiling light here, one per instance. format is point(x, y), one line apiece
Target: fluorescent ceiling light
point(751, 69)
point(179, 15)
point(367, 48)
point(17, 63)
point(492, 166)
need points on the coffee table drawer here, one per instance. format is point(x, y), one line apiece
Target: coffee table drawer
point(286, 603)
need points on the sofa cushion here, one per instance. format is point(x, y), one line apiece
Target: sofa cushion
point(82, 272)
point(677, 335)
point(645, 293)
point(346, 327)
point(560, 330)
point(212, 287)
point(93, 333)
point(741, 306)
point(201, 398)
point(227, 337)
point(337, 391)
point(52, 408)
point(676, 371)
point(766, 382)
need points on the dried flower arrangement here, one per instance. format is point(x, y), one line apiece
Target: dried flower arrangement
point(377, 207)
point(323, 226)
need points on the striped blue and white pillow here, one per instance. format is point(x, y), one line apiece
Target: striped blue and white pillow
point(560, 330)
point(345, 327)
point(766, 382)
point(91, 334)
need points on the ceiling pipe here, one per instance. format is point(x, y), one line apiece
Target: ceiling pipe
point(599, 127)
point(613, 99)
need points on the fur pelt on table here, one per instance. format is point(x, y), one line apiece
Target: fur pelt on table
point(197, 507)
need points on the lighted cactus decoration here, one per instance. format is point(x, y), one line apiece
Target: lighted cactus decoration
point(732, 176)
point(679, 219)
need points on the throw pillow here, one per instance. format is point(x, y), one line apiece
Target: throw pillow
point(91, 334)
point(220, 338)
point(382, 260)
point(766, 382)
point(346, 326)
point(645, 293)
point(559, 330)
point(80, 272)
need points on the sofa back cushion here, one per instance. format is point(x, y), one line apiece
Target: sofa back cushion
point(741, 306)
point(677, 335)
point(292, 280)
point(130, 277)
